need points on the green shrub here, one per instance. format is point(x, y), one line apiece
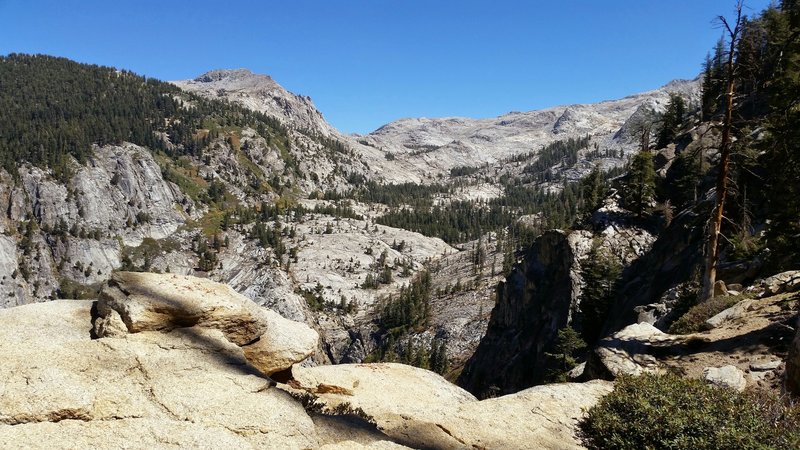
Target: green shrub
point(670, 412)
point(695, 319)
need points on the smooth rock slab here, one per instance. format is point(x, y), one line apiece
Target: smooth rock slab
point(190, 388)
point(420, 409)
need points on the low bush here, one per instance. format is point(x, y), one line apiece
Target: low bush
point(695, 319)
point(670, 412)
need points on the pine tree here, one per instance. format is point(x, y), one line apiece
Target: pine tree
point(568, 343)
point(712, 251)
point(781, 151)
point(600, 273)
point(640, 187)
point(672, 120)
point(592, 190)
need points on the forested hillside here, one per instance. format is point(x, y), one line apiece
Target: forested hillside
point(51, 108)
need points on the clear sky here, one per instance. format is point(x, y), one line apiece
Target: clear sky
point(368, 62)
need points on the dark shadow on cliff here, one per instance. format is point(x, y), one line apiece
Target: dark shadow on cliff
point(674, 257)
point(533, 303)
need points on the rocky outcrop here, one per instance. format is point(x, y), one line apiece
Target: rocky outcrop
point(118, 198)
point(155, 302)
point(259, 93)
point(187, 388)
point(420, 409)
point(744, 349)
point(427, 147)
point(542, 295)
point(788, 281)
point(186, 385)
point(537, 299)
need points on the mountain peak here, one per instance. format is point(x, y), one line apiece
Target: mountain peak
point(234, 79)
point(260, 93)
point(226, 74)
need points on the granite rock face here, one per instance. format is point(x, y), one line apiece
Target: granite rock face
point(420, 409)
point(119, 198)
point(537, 299)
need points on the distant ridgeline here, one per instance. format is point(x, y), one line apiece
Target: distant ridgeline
point(52, 108)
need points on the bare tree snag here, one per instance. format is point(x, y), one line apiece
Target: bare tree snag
point(712, 251)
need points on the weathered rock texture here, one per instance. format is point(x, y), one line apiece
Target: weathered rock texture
point(155, 302)
point(259, 93)
point(186, 388)
point(672, 259)
point(172, 385)
point(81, 227)
point(742, 350)
point(630, 351)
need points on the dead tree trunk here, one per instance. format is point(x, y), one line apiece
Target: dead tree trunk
point(712, 251)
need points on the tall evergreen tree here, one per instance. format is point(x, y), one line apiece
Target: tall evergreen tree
point(672, 120)
point(781, 149)
point(640, 187)
point(592, 190)
point(600, 273)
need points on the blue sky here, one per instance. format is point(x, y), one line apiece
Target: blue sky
point(368, 62)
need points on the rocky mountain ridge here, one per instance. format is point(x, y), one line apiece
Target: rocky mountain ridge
point(439, 145)
point(423, 150)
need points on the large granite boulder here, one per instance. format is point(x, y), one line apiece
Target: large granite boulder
point(134, 302)
point(186, 389)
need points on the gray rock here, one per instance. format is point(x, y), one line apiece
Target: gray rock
point(577, 372)
point(629, 351)
point(788, 281)
point(736, 311)
point(766, 366)
point(726, 376)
